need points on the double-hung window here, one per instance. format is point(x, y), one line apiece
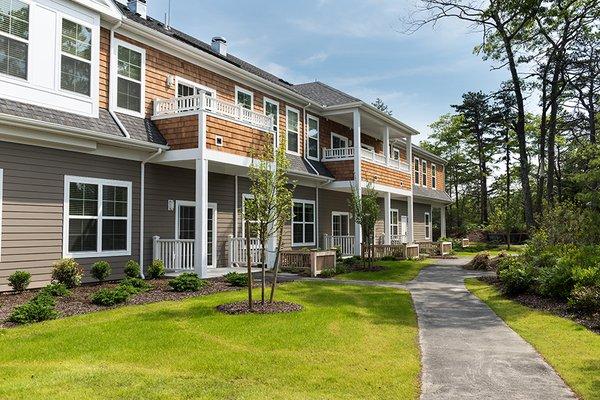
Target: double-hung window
point(427, 220)
point(76, 56)
point(417, 172)
point(433, 176)
point(97, 217)
point(272, 109)
point(303, 223)
point(312, 141)
point(340, 223)
point(293, 129)
point(14, 38)
point(130, 77)
point(424, 172)
point(244, 98)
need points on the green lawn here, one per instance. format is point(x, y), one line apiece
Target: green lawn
point(396, 271)
point(349, 342)
point(514, 250)
point(571, 349)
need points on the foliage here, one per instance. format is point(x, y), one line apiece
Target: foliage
point(156, 269)
point(101, 270)
point(55, 290)
point(68, 272)
point(556, 281)
point(516, 277)
point(19, 281)
point(40, 308)
point(187, 282)
point(235, 279)
point(586, 276)
point(585, 299)
point(340, 268)
point(365, 206)
point(110, 297)
point(132, 269)
point(381, 106)
point(134, 285)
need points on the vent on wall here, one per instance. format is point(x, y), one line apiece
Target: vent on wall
point(219, 140)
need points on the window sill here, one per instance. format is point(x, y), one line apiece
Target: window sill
point(101, 254)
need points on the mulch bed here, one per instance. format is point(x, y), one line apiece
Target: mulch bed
point(79, 300)
point(553, 306)
point(277, 307)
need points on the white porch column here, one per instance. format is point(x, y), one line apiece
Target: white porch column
point(411, 220)
point(201, 220)
point(357, 177)
point(386, 144)
point(443, 221)
point(387, 217)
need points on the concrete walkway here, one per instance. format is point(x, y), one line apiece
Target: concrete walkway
point(467, 351)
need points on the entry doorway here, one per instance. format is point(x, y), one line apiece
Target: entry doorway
point(185, 227)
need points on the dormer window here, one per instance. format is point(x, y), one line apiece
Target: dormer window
point(75, 68)
point(14, 35)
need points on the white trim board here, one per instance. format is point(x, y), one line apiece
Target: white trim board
point(193, 84)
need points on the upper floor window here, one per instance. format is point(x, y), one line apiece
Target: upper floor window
point(394, 153)
point(130, 77)
point(433, 176)
point(75, 63)
point(312, 145)
point(338, 142)
point(189, 88)
point(272, 108)
point(244, 98)
point(424, 172)
point(14, 35)
point(293, 129)
point(417, 173)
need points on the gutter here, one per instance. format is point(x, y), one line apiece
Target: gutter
point(142, 206)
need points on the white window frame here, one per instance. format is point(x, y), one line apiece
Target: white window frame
point(1, 201)
point(193, 84)
point(433, 176)
point(93, 50)
point(417, 170)
point(26, 41)
point(101, 183)
point(394, 150)
point(308, 138)
point(289, 109)
point(427, 223)
point(244, 91)
point(114, 60)
point(276, 119)
point(185, 203)
point(304, 223)
point(341, 214)
point(340, 137)
point(424, 173)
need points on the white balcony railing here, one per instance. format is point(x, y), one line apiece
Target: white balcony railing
point(344, 243)
point(347, 153)
point(178, 105)
point(177, 254)
point(238, 254)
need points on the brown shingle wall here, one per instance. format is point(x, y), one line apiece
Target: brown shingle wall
point(385, 176)
point(180, 132)
point(341, 170)
point(104, 67)
point(237, 139)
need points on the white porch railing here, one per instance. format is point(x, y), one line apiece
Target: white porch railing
point(177, 105)
point(347, 153)
point(394, 239)
point(344, 243)
point(177, 254)
point(238, 253)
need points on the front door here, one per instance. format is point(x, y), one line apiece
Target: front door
point(185, 227)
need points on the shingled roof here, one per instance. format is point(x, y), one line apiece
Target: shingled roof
point(324, 94)
point(431, 194)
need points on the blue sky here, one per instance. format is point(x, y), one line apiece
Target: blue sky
point(354, 45)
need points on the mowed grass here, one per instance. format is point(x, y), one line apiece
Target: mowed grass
point(570, 348)
point(349, 342)
point(395, 271)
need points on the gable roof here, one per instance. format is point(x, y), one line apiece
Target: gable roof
point(324, 94)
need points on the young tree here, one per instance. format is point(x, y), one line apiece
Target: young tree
point(271, 202)
point(381, 106)
point(366, 212)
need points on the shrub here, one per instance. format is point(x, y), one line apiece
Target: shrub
point(40, 308)
point(19, 281)
point(235, 279)
point(132, 269)
point(588, 277)
point(134, 285)
point(101, 270)
point(55, 290)
point(68, 272)
point(186, 282)
point(585, 299)
point(156, 269)
point(515, 276)
point(327, 273)
point(494, 263)
point(546, 259)
point(338, 252)
point(480, 262)
point(556, 281)
point(110, 297)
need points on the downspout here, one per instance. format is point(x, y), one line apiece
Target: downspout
point(142, 206)
point(111, 108)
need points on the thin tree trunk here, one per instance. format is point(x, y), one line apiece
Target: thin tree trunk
point(552, 126)
point(276, 266)
point(249, 264)
point(263, 260)
point(507, 144)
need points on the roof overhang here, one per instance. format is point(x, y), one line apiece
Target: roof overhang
point(107, 9)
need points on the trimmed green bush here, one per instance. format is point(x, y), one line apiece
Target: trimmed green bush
point(585, 299)
point(328, 273)
point(101, 270)
point(235, 279)
point(134, 285)
point(19, 281)
point(55, 290)
point(515, 276)
point(68, 272)
point(156, 269)
point(186, 282)
point(556, 281)
point(132, 269)
point(110, 297)
point(40, 308)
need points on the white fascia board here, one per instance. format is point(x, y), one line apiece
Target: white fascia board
point(105, 7)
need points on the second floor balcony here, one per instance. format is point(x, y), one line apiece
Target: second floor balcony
point(347, 153)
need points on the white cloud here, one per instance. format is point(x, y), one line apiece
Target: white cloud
point(315, 58)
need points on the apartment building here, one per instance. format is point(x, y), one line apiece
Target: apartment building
point(122, 138)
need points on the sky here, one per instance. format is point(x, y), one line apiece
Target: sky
point(357, 46)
